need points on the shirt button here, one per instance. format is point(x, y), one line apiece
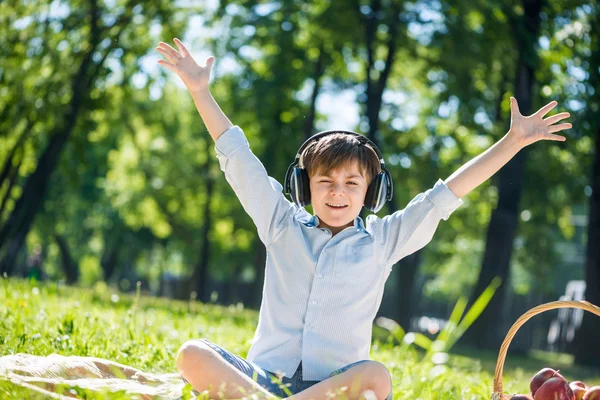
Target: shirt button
point(309, 326)
point(320, 275)
point(314, 302)
point(354, 250)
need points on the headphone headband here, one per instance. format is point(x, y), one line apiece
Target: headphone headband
point(361, 138)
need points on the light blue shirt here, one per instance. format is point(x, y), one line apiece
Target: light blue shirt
point(321, 293)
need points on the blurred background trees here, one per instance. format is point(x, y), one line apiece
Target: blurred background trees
point(107, 172)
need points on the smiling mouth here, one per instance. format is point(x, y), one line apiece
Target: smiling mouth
point(336, 206)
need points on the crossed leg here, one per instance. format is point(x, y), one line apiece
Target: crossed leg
point(205, 369)
point(369, 380)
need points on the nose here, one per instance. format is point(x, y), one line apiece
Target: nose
point(337, 188)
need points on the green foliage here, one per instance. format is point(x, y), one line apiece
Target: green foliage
point(131, 187)
point(472, 68)
point(458, 322)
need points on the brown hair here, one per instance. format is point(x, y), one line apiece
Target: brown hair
point(338, 150)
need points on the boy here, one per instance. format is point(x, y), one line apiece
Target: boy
point(325, 273)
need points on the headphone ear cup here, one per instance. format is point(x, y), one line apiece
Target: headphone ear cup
point(376, 193)
point(389, 184)
point(300, 187)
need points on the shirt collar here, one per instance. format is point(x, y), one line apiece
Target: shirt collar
point(314, 221)
point(358, 223)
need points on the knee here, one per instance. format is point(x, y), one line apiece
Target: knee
point(192, 354)
point(381, 379)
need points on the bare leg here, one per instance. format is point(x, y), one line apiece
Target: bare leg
point(370, 380)
point(205, 369)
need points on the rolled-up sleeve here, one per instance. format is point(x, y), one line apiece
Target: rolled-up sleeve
point(260, 195)
point(406, 231)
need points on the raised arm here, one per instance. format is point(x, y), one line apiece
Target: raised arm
point(523, 131)
point(260, 195)
point(196, 80)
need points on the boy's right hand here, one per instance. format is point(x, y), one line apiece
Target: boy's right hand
point(183, 64)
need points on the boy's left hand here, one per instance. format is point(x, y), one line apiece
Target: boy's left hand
point(527, 130)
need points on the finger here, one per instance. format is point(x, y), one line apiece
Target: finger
point(544, 110)
point(168, 65)
point(209, 63)
point(559, 127)
point(557, 138)
point(182, 48)
point(514, 106)
point(170, 50)
point(172, 54)
point(167, 55)
point(555, 118)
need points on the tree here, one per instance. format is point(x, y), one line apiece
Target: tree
point(503, 224)
point(587, 340)
point(377, 17)
point(89, 53)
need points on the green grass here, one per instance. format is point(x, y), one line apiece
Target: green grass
point(145, 333)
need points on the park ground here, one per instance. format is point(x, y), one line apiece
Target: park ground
point(145, 332)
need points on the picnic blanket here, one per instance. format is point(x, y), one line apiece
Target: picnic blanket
point(63, 378)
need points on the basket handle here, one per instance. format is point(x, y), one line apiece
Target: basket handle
point(584, 305)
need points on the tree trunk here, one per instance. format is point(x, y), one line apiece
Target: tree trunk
point(587, 339)
point(70, 267)
point(504, 220)
point(407, 268)
point(232, 293)
point(406, 272)
point(309, 124)
point(110, 255)
point(13, 174)
point(200, 275)
point(375, 88)
point(19, 222)
point(9, 164)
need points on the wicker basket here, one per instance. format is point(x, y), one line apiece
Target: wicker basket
point(584, 305)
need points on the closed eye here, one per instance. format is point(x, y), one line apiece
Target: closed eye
point(353, 183)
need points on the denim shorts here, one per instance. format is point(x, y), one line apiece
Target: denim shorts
point(281, 387)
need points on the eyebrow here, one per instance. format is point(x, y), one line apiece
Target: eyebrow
point(348, 177)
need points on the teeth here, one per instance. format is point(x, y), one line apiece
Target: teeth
point(336, 205)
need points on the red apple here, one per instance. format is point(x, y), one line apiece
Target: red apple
point(542, 376)
point(579, 383)
point(592, 393)
point(521, 397)
point(555, 388)
point(578, 389)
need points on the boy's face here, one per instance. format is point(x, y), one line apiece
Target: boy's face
point(345, 188)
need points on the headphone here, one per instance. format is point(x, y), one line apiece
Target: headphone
point(297, 185)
